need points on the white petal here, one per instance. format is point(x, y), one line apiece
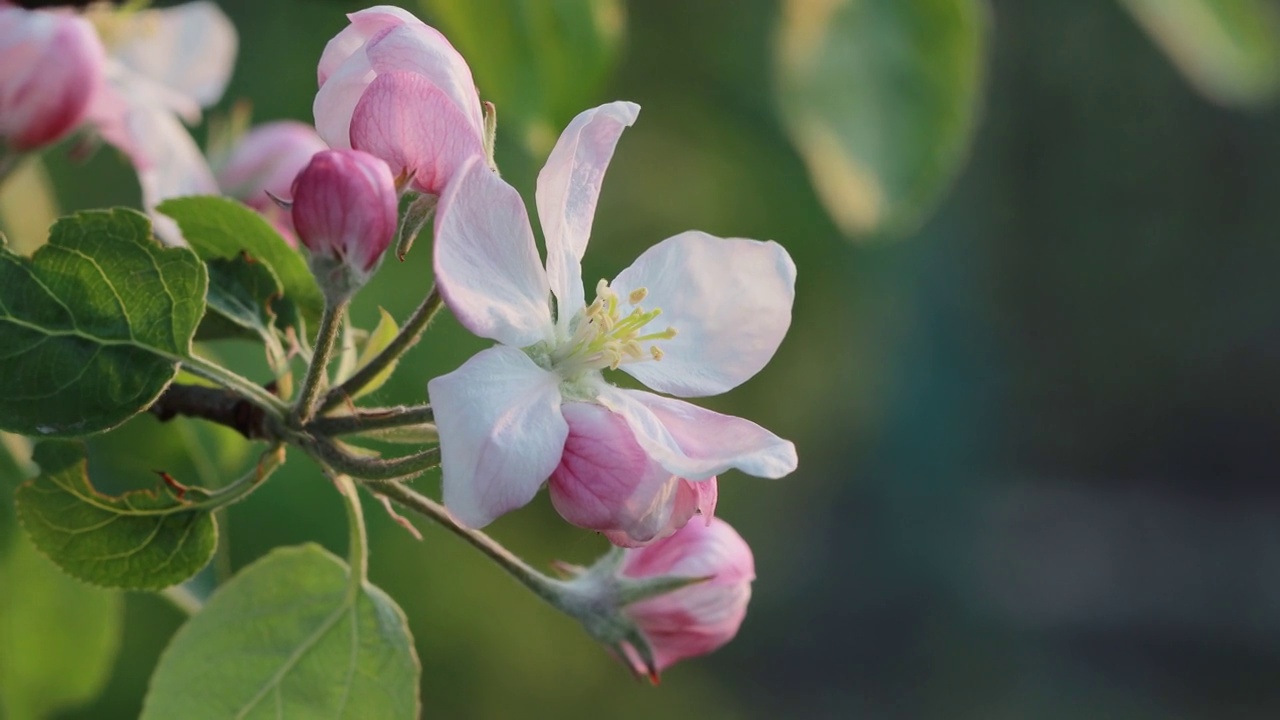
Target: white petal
point(729, 300)
point(190, 49)
point(421, 49)
point(486, 262)
point(336, 100)
point(364, 25)
point(501, 433)
point(696, 443)
point(568, 188)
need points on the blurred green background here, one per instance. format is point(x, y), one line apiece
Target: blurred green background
point(1037, 422)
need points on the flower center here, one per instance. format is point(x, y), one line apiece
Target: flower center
point(610, 333)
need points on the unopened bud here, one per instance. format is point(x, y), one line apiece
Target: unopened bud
point(345, 210)
point(51, 67)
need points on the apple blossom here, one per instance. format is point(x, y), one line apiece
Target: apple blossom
point(701, 617)
point(345, 211)
point(504, 417)
point(264, 163)
point(394, 87)
point(51, 67)
point(163, 67)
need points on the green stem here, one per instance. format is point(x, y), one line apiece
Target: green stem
point(251, 391)
point(370, 468)
point(358, 547)
point(408, 336)
point(317, 372)
point(555, 592)
point(183, 599)
point(372, 419)
point(238, 490)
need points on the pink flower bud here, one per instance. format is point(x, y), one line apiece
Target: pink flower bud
point(697, 618)
point(608, 483)
point(264, 163)
point(345, 209)
point(51, 67)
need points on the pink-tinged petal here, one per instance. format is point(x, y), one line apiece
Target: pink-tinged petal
point(696, 443)
point(171, 164)
point(501, 433)
point(337, 99)
point(51, 66)
point(266, 160)
point(606, 482)
point(416, 128)
point(188, 49)
point(364, 25)
point(700, 618)
point(486, 263)
point(729, 300)
point(568, 188)
point(420, 49)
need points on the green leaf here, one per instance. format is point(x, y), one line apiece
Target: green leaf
point(248, 295)
point(1229, 50)
point(142, 540)
point(880, 98)
point(540, 62)
point(58, 637)
point(287, 637)
point(93, 325)
point(379, 339)
point(219, 227)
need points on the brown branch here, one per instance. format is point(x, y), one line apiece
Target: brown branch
point(215, 405)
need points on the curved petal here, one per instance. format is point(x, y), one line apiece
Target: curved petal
point(568, 188)
point(486, 262)
point(606, 482)
point(416, 128)
point(190, 49)
point(501, 433)
point(729, 300)
point(337, 98)
point(364, 25)
point(696, 443)
point(420, 49)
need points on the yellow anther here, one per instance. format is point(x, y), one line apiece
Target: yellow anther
point(655, 352)
point(637, 295)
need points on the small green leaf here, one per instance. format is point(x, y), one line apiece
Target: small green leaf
point(242, 291)
point(58, 637)
point(1229, 50)
point(880, 97)
point(142, 540)
point(540, 62)
point(219, 227)
point(92, 327)
point(287, 637)
point(379, 339)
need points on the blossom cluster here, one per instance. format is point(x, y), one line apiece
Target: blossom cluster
point(397, 113)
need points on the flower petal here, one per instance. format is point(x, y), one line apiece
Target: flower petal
point(190, 49)
point(421, 49)
point(415, 127)
point(568, 188)
point(364, 25)
point(501, 433)
point(729, 300)
point(337, 98)
point(696, 443)
point(486, 263)
point(606, 482)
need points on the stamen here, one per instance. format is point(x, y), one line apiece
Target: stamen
point(637, 295)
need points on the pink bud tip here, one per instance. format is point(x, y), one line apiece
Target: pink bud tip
point(51, 66)
point(345, 210)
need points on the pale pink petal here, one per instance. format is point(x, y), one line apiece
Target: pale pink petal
point(568, 188)
point(696, 443)
point(423, 50)
point(606, 482)
point(501, 433)
point(416, 128)
point(51, 65)
point(337, 99)
point(364, 25)
point(728, 299)
point(189, 49)
point(169, 164)
point(486, 262)
point(700, 618)
point(266, 160)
